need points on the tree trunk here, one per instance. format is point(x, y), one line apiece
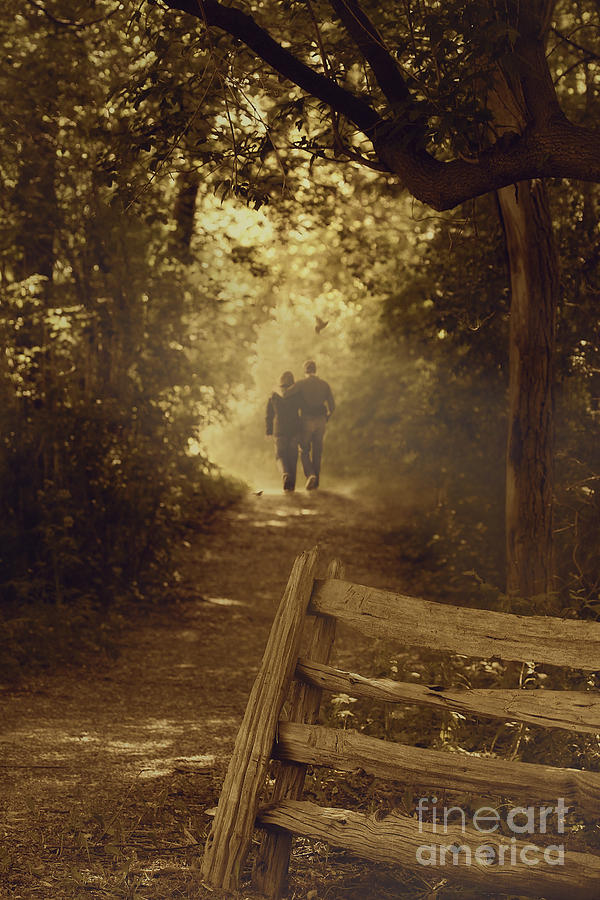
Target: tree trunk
point(533, 266)
point(185, 209)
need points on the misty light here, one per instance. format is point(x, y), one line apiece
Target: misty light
point(194, 448)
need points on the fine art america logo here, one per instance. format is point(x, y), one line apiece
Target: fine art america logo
point(505, 851)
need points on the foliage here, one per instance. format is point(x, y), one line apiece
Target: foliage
point(402, 90)
point(416, 352)
point(459, 324)
point(112, 365)
point(98, 422)
point(128, 319)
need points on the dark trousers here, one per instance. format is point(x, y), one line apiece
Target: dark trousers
point(311, 444)
point(286, 454)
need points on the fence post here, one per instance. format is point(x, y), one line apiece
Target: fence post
point(270, 870)
point(229, 840)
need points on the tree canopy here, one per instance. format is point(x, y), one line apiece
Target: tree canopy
point(177, 213)
point(417, 89)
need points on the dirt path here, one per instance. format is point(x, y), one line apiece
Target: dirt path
point(106, 772)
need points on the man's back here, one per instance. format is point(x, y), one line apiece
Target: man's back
point(316, 398)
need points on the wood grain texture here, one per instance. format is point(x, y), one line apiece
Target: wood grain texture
point(396, 839)
point(270, 869)
point(229, 840)
point(524, 783)
point(573, 710)
point(469, 632)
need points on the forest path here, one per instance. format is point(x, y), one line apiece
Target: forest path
point(106, 771)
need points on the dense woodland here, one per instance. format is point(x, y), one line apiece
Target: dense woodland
point(181, 198)
point(197, 195)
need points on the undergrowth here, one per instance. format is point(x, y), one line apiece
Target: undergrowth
point(40, 632)
point(42, 636)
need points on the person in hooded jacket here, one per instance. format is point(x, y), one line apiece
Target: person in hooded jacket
point(282, 420)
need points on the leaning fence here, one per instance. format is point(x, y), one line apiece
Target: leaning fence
point(498, 864)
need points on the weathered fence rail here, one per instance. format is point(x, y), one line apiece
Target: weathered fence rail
point(396, 839)
point(299, 742)
point(572, 710)
point(471, 632)
point(347, 751)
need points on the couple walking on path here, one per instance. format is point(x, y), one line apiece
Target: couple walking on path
point(298, 415)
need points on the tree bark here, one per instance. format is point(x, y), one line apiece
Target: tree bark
point(533, 269)
point(533, 266)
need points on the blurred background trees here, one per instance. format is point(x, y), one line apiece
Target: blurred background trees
point(456, 102)
point(116, 348)
point(173, 226)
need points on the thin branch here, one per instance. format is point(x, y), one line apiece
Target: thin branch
point(578, 62)
point(566, 38)
point(327, 68)
point(242, 26)
point(69, 23)
point(233, 139)
point(550, 146)
point(173, 147)
point(338, 140)
point(355, 156)
point(329, 72)
point(349, 157)
point(371, 45)
point(258, 117)
point(224, 86)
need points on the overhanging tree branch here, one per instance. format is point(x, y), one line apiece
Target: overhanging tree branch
point(242, 26)
point(550, 145)
point(561, 151)
point(371, 45)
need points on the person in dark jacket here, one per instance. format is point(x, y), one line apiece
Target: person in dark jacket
point(316, 406)
point(283, 422)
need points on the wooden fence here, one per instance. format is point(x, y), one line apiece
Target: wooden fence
point(395, 838)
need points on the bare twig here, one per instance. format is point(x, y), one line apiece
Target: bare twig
point(579, 62)
point(566, 38)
